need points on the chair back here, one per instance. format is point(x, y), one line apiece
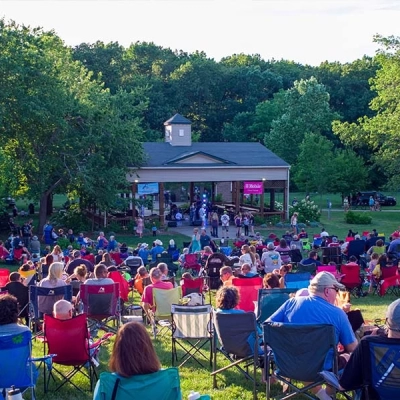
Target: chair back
point(388, 272)
point(233, 331)
point(4, 276)
point(67, 339)
point(248, 292)
point(384, 366)
point(297, 280)
point(163, 300)
point(327, 268)
point(356, 248)
point(123, 284)
point(192, 286)
point(317, 241)
point(117, 258)
point(332, 254)
point(295, 255)
point(191, 259)
point(163, 384)
point(15, 351)
point(300, 351)
point(100, 301)
point(269, 300)
point(57, 293)
point(310, 268)
point(191, 321)
point(134, 264)
point(226, 250)
point(349, 239)
point(351, 276)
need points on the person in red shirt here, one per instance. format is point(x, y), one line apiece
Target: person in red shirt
point(156, 282)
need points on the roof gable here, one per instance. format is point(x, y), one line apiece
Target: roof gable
point(198, 157)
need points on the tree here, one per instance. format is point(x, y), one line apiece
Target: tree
point(380, 132)
point(315, 164)
point(60, 128)
point(305, 108)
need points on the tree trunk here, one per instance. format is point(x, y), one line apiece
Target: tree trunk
point(43, 211)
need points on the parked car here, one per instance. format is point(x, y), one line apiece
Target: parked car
point(383, 200)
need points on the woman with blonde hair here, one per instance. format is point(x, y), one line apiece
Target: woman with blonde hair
point(248, 257)
point(195, 246)
point(53, 280)
point(57, 254)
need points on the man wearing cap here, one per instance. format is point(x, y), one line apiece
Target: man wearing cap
point(352, 377)
point(157, 249)
point(319, 308)
point(271, 259)
point(156, 282)
point(225, 224)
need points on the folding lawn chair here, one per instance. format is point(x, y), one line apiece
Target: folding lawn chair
point(390, 285)
point(248, 292)
point(233, 331)
point(299, 353)
point(269, 300)
point(356, 248)
point(213, 265)
point(192, 262)
point(52, 294)
point(4, 276)
point(163, 301)
point(192, 286)
point(68, 340)
point(101, 303)
point(163, 384)
point(385, 282)
point(332, 254)
point(352, 280)
point(297, 280)
point(16, 365)
point(310, 268)
point(191, 331)
point(133, 264)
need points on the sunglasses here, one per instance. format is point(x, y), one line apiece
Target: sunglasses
point(334, 288)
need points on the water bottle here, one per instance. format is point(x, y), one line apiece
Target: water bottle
point(14, 394)
point(193, 395)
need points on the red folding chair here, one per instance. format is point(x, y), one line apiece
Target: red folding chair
point(386, 281)
point(102, 305)
point(4, 277)
point(248, 292)
point(193, 286)
point(117, 258)
point(123, 284)
point(68, 340)
point(17, 254)
point(352, 280)
point(192, 262)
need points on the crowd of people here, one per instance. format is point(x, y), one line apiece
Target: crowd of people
point(252, 255)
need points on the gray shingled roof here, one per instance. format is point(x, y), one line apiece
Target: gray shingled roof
point(178, 119)
point(235, 154)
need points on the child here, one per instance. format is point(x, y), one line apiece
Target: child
point(372, 264)
point(154, 229)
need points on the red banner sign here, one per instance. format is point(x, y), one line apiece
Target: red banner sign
point(253, 187)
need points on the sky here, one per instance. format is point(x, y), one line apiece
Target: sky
point(305, 31)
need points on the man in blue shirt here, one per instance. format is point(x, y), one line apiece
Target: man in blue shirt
point(319, 308)
point(312, 259)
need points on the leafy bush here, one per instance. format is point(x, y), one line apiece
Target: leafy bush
point(352, 217)
point(307, 211)
point(73, 218)
point(64, 243)
point(218, 198)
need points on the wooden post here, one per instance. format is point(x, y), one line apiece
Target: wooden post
point(262, 200)
point(134, 190)
point(191, 193)
point(272, 199)
point(161, 202)
point(237, 196)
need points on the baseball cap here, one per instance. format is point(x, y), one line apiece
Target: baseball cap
point(270, 246)
point(325, 279)
point(393, 315)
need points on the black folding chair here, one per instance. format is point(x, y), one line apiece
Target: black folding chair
point(191, 331)
point(232, 331)
point(299, 353)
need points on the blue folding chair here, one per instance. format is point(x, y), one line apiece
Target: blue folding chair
point(269, 300)
point(16, 365)
point(57, 293)
point(226, 250)
point(297, 281)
